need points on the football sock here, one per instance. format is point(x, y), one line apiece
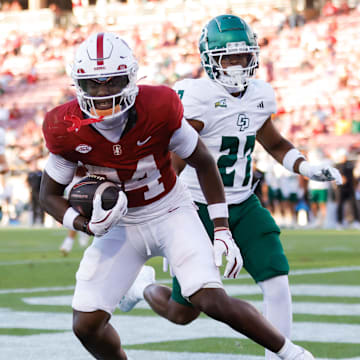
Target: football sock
point(277, 306)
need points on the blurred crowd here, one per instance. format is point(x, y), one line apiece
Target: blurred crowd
point(296, 202)
point(314, 67)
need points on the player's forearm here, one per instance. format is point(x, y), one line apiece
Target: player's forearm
point(213, 190)
point(279, 152)
point(57, 207)
point(276, 145)
point(279, 149)
point(207, 173)
point(210, 183)
point(58, 211)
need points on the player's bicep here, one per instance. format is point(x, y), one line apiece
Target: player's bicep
point(49, 187)
point(201, 157)
point(178, 163)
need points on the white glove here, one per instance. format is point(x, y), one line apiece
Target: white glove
point(225, 244)
point(320, 172)
point(102, 220)
point(166, 266)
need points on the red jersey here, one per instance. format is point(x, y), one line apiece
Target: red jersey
point(140, 159)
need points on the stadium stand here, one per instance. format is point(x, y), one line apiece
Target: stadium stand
point(313, 65)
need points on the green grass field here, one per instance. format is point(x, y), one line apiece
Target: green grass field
point(36, 285)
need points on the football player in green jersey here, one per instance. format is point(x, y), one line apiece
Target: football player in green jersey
point(230, 110)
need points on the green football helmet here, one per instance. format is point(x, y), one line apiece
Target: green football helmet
point(228, 35)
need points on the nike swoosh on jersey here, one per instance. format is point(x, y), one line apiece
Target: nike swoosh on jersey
point(141, 143)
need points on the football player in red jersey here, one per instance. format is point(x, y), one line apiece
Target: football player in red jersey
point(126, 132)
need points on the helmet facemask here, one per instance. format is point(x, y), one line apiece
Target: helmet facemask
point(121, 101)
point(232, 77)
point(105, 75)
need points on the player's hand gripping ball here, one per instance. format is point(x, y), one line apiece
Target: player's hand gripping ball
point(83, 192)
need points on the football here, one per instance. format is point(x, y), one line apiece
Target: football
point(82, 194)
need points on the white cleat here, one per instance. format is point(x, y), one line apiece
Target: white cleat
point(66, 246)
point(135, 293)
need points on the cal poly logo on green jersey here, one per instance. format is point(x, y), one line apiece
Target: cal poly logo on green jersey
point(221, 103)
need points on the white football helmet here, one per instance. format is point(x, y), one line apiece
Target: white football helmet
point(105, 59)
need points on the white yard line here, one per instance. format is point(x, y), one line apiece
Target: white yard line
point(69, 348)
point(299, 289)
point(144, 329)
point(313, 308)
point(135, 329)
point(325, 270)
point(233, 290)
point(139, 330)
point(162, 355)
point(37, 261)
point(66, 347)
point(32, 290)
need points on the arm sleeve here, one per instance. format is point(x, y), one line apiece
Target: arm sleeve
point(184, 140)
point(59, 169)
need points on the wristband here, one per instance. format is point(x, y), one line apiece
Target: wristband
point(290, 158)
point(219, 210)
point(304, 169)
point(70, 215)
point(86, 229)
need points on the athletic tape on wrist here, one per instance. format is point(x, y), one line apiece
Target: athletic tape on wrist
point(69, 217)
point(219, 210)
point(290, 158)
